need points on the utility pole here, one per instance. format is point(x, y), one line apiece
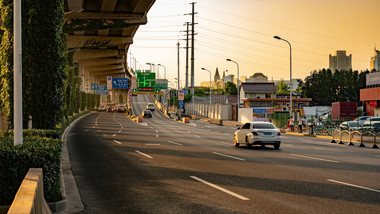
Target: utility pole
point(192, 52)
point(17, 74)
point(187, 58)
point(178, 63)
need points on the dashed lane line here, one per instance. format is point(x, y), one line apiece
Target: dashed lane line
point(220, 188)
point(353, 185)
point(229, 156)
point(72, 134)
point(197, 136)
point(321, 159)
point(113, 135)
point(179, 144)
point(152, 144)
point(120, 130)
point(116, 142)
point(143, 154)
point(86, 130)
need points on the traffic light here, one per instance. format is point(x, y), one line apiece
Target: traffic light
point(157, 90)
point(134, 90)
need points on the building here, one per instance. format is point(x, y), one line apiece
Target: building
point(375, 61)
point(370, 96)
point(340, 61)
point(257, 90)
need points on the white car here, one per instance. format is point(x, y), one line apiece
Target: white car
point(150, 106)
point(258, 133)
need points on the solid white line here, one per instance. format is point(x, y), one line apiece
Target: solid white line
point(353, 185)
point(321, 149)
point(113, 135)
point(174, 143)
point(86, 130)
point(117, 142)
point(228, 156)
point(197, 136)
point(321, 159)
point(143, 154)
point(152, 144)
point(220, 188)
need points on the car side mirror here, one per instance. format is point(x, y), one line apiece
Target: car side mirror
point(238, 128)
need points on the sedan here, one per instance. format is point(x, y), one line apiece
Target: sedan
point(146, 113)
point(258, 133)
point(350, 125)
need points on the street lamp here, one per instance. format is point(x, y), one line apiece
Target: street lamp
point(238, 88)
point(152, 66)
point(290, 84)
point(210, 89)
point(164, 70)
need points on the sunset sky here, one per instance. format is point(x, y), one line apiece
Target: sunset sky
point(243, 30)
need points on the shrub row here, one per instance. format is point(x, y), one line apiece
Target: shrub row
point(35, 152)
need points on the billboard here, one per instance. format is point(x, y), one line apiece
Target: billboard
point(373, 78)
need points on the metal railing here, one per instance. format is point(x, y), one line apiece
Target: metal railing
point(355, 136)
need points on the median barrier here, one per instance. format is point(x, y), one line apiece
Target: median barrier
point(30, 196)
point(193, 117)
point(185, 120)
point(335, 135)
point(216, 121)
point(139, 119)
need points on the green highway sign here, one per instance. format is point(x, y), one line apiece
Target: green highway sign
point(146, 80)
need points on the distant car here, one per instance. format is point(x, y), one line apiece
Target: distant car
point(121, 108)
point(258, 133)
point(150, 106)
point(362, 119)
point(110, 109)
point(371, 125)
point(350, 125)
point(146, 113)
point(102, 108)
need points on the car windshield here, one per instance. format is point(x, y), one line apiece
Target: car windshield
point(263, 126)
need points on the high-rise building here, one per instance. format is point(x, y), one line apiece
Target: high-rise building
point(375, 61)
point(340, 61)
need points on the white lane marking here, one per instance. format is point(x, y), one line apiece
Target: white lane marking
point(192, 124)
point(325, 149)
point(353, 185)
point(86, 130)
point(116, 142)
point(321, 159)
point(287, 145)
point(226, 143)
point(229, 156)
point(151, 127)
point(120, 130)
point(72, 134)
point(113, 135)
point(174, 143)
point(144, 124)
point(197, 136)
point(156, 135)
point(156, 131)
point(188, 131)
point(121, 125)
point(143, 154)
point(94, 127)
point(220, 188)
point(152, 144)
point(96, 124)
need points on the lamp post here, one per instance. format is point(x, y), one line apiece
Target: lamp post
point(152, 68)
point(290, 82)
point(238, 88)
point(210, 89)
point(17, 74)
point(164, 70)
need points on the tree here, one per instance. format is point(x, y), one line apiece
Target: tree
point(230, 88)
point(282, 88)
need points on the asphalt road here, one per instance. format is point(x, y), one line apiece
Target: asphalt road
point(163, 166)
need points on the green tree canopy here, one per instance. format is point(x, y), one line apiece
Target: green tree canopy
point(282, 88)
point(230, 88)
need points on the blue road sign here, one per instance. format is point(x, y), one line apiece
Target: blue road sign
point(102, 90)
point(180, 104)
point(259, 111)
point(94, 86)
point(119, 83)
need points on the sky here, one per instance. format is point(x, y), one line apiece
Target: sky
point(243, 31)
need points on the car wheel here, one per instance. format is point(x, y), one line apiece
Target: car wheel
point(276, 146)
point(236, 144)
point(247, 142)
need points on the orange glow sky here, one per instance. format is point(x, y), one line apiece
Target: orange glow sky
point(243, 30)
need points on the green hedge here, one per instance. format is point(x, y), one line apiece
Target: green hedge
point(55, 134)
point(35, 152)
